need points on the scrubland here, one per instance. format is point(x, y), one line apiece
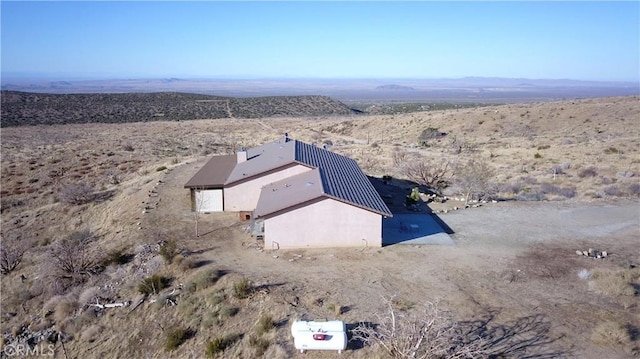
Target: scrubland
point(96, 214)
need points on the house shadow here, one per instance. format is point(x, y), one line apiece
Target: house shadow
point(409, 225)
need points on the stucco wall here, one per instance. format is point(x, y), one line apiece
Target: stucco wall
point(244, 196)
point(327, 223)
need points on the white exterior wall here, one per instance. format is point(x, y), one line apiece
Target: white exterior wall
point(327, 223)
point(244, 196)
point(208, 200)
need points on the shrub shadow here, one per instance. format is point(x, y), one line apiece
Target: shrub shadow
point(526, 337)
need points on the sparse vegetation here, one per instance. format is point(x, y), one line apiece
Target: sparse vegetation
point(242, 288)
point(175, 337)
point(219, 345)
point(265, 324)
point(153, 285)
point(11, 253)
point(76, 194)
point(168, 250)
point(429, 334)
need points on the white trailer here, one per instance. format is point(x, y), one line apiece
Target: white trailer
point(311, 335)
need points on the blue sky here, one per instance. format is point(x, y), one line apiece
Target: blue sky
point(553, 40)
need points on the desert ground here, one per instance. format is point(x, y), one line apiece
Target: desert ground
point(565, 178)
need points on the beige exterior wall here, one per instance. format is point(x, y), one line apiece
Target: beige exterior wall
point(327, 223)
point(244, 196)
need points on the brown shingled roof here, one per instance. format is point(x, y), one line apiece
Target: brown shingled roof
point(214, 173)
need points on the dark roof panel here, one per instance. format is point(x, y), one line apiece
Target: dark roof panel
point(214, 173)
point(342, 177)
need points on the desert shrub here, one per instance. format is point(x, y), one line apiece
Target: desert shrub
point(543, 147)
point(531, 196)
point(243, 288)
point(204, 279)
point(375, 145)
point(226, 311)
point(474, 178)
point(529, 180)
point(161, 168)
point(168, 250)
point(588, 172)
point(153, 284)
point(429, 134)
point(64, 309)
point(128, 147)
point(429, 334)
point(612, 150)
point(336, 309)
point(265, 323)
point(11, 252)
point(634, 189)
point(609, 333)
point(219, 345)
point(74, 255)
point(260, 344)
point(433, 173)
point(537, 155)
point(77, 194)
point(615, 283)
point(174, 337)
point(568, 192)
point(613, 191)
point(514, 188)
point(548, 188)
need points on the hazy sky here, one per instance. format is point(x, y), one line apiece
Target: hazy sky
point(576, 40)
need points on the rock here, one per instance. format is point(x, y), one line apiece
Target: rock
point(579, 252)
point(604, 254)
point(585, 253)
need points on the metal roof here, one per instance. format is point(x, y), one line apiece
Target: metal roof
point(214, 173)
point(340, 177)
point(337, 177)
point(263, 159)
point(289, 192)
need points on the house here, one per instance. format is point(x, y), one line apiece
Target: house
point(298, 195)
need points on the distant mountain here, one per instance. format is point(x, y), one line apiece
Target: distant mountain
point(395, 88)
point(25, 108)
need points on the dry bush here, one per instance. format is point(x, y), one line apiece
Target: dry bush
point(77, 193)
point(474, 178)
point(432, 173)
point(429, 334)
point(168, 250)
point(242, 288)
point(92, 333)
point(219, 344)
point(89, 295)
point(265, 324)
point(174, 337)
point(204, 279)
point(11, 252)
point(611, 333)
point(615, 283)
point(74, 256)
